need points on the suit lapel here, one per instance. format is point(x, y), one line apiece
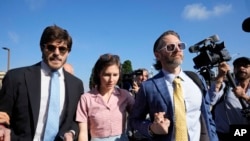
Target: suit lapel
point(160, 83)
point(67, 92)
point(33, 81)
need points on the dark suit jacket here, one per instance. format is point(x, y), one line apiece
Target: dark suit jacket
point(154, 97)
point(20, 98)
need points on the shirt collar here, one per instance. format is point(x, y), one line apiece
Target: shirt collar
point(170, 77)
point(46, 70)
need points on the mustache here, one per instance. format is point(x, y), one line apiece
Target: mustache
point(55, 58)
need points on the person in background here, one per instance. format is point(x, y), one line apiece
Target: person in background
point(69, 68)
point(26, 97)
point(226, 100)
point(102, 112)
point(158, 95)
point(139, 79)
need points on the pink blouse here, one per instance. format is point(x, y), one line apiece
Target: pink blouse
point(103, 119)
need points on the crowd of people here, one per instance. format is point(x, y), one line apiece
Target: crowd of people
point(47, 102)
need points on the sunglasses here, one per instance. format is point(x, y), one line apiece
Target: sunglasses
point(171, 47)
point(52, 48)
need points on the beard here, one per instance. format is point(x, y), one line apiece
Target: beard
point(242, 76)
point(173, 62)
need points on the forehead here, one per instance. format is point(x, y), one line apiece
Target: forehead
point(111, 68)
point(170, 39)
point(58, 43)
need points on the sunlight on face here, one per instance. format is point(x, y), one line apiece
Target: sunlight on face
point(109, 77)
point(174, 58)
point(55, 54)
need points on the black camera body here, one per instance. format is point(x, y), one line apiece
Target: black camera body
point(128, 78)
point(210, 52)
point(210, 55)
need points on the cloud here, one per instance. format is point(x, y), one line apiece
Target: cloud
point(200, 12)
point(13, 37)
point(35, 4)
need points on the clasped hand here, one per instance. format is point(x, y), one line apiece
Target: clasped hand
point(161, 124)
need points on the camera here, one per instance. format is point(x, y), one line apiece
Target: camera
point(128, 79)
point(210, 52)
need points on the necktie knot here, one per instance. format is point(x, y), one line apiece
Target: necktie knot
point(54, 73)
point(177, 80)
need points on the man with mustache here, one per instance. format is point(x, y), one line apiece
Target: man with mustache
point(26, 98)
point(228, 101)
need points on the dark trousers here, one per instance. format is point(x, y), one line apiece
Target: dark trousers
point(223, 136)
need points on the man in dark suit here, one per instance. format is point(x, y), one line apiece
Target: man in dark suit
point(156, 98)
point(25, 93)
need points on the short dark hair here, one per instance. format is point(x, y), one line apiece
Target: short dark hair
point(241, 60)
point(102, 63)
point(54, 32)
point(159, 43)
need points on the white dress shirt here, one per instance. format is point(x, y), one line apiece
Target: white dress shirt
point(45, 87)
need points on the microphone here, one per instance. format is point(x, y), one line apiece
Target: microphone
point(195, 48)
point(246, 25)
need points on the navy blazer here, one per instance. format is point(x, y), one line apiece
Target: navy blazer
point(154, 97)
point(20, 97)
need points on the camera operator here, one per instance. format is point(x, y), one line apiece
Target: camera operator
point(139, 79)
point(228, 101)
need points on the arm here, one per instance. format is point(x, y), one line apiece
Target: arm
point(217, 88)
point(83, 135)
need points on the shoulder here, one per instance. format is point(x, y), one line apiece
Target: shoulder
point(17, 72)
point(69, 77)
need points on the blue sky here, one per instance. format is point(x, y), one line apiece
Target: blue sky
point(127, 28)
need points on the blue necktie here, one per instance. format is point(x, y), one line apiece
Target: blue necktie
point(52, 124)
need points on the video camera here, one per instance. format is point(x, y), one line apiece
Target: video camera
point(210, 52)
point(128, 78)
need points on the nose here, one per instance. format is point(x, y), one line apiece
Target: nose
point(56, 51)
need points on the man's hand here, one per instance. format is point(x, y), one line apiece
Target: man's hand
point(223, 69)
point(160, 125)
point(68, 136)
point(135, 87)
point(240, 93)
point(4, 118)
point(4, 133)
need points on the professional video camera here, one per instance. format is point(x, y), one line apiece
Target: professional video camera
point(128, 78)
point(211, 53)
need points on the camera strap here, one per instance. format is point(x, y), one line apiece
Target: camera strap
point(196, 80)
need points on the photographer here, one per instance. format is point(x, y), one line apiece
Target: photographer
point(142, 76)
point(228, 101)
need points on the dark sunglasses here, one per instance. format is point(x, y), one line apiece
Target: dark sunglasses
point(171, 47)
point(52, 48)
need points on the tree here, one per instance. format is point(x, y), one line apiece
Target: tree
point(127, 67)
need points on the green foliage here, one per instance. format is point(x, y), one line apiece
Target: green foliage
point(127, 67)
